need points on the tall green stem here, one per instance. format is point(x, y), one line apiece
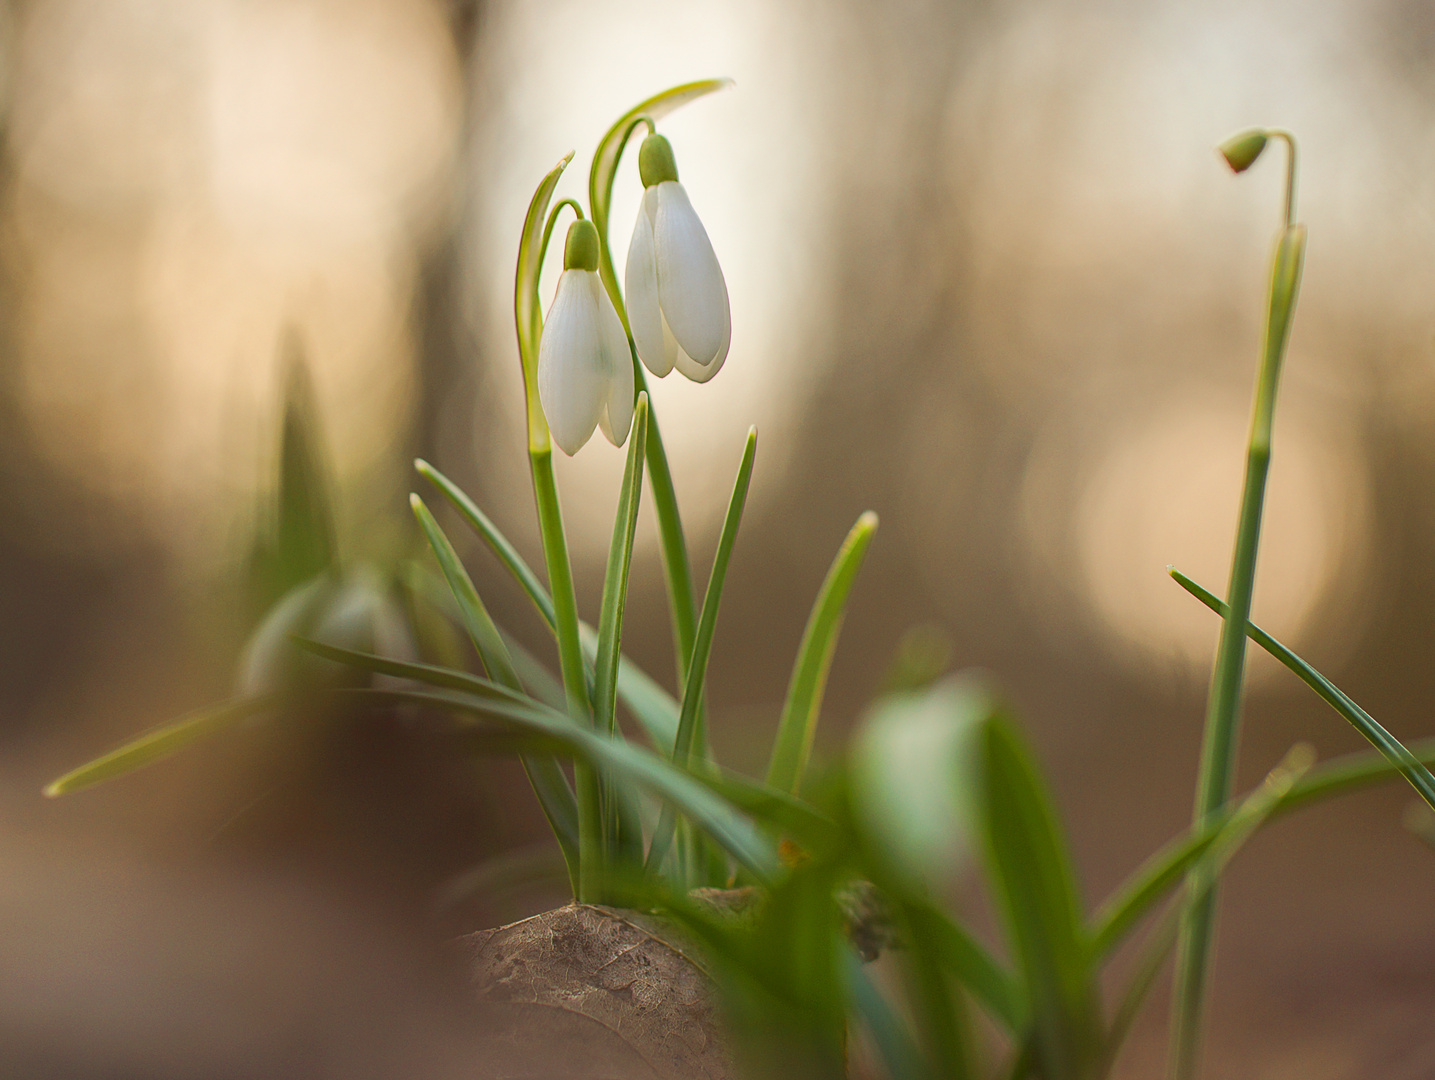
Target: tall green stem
point(570, 662)
point(528, 320)
point(1223, 709)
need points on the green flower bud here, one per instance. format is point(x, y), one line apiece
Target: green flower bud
point(655, 161)
point(580, 250)
point(1241, 151)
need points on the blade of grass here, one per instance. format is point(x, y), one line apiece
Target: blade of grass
point(1035, 890)
point(971, 964)
point(798, 725)
point(1393, 749)
point(942, 1016)
point(1223, 711)
point(780, 812)
point(492, 652)
point(702, 646)
point(547, 779)
point(507, 554)
point(1350, 772)
point(626, 762)
point(1130, 901)
point(162, 742)
point(615, 597)
point(540, 683)
point(301, 541)
point(1253, 812)
point(614, 581)
point(889, 1032)
point(650, 704)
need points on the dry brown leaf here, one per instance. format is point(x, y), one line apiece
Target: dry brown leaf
point(594, 992)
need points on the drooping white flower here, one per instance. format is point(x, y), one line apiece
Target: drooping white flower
point(675, 292)
point(585, 371)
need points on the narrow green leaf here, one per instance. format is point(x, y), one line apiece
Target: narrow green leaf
point(622, 828)
point(971, 964)
point(650, 704)
point(779, 812)
point(712, 600)
point(626, 762)
point(798, 725)
point(702, 647)
point(547, 779)
point(942, 1016)
point(476, 620)
point(1393, 749)
point(162, 742)
point(541, 684)
point(1167, 868)
point(448, 678)
point(1350, 772)
point(889, 1032)
point(507, 554)
point(615, 581)
point(301, 540)
point(1157, 876)
point(1253, 812)
point(1035, 889)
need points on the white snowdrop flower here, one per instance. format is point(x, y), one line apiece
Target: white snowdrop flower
point(676, 296)
point(585, 371)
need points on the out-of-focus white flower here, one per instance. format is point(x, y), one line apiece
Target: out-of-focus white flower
point(675, 292)
point(585, 371)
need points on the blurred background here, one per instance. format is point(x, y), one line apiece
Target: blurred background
point(988, 278)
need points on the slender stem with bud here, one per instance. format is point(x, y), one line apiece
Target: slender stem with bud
point(1223, 710)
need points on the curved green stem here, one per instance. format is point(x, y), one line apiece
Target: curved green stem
point(1289, 140)
point(548, 228)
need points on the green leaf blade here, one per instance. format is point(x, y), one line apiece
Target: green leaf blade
point(476, 620)
point(1036, 892)
point(507, 554)
point(1393, 749)
point(687, 731)
point(623, 761)
point(798, 726)
point(161, 743)
point(615, 580)
point(549, 784)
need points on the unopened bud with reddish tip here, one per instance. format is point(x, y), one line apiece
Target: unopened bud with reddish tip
point(1241, 151)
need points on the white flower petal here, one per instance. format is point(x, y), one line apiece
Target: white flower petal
point(691, 290)
point(700, 373)
point(572, 378)
point(616, 416)
point(640, 289)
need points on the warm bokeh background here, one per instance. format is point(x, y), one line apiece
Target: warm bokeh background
point(988, 278)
